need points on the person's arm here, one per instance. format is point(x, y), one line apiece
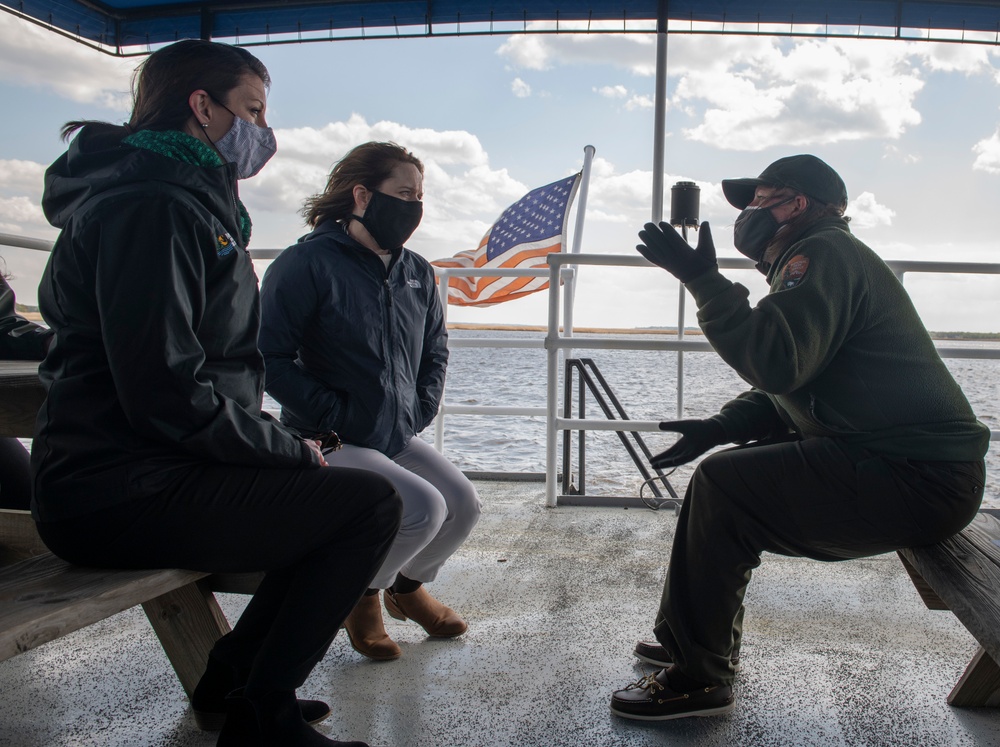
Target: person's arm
point(289, 301)
point(750, 417)
point(792, 334)
point(19, 338)
point(434, 361)
point(151, 297)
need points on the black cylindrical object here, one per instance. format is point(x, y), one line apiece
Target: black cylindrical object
point(684, 204)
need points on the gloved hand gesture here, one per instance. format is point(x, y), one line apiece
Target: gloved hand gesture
point(663, 246)
point(697, 437)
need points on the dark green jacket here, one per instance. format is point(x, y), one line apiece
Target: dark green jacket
point(154, 305)
point(836, 349)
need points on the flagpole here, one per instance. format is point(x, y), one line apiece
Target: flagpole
point(581, 210)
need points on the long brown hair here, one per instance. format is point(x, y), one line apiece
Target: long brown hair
point(163, 82)
point(368, 164)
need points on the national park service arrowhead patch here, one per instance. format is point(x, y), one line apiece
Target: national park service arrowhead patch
point(224, 244)
point(794, 271)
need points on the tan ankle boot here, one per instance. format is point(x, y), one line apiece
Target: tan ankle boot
point(367, 632)
point(434, 617)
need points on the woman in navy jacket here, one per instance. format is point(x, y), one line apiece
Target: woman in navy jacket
point(355, 345)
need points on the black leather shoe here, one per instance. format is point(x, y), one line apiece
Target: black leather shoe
point(272, 720)
point(653, 653)
point(208, 701)
point(652, 699)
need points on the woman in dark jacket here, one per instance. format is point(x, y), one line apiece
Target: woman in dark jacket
point(353, 335)
point(151, 449)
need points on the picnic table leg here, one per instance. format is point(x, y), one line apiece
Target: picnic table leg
point(188, 621)
point(979, 684)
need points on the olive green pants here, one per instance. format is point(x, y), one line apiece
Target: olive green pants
point(817, 498)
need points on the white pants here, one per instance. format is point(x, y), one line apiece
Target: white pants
point(440, 507)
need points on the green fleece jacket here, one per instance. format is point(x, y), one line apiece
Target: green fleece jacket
point(836, 349)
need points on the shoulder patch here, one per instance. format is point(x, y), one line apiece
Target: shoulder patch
point(224, 244)
point(794, 271)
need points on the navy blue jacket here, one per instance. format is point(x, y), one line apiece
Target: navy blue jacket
point(349, 345)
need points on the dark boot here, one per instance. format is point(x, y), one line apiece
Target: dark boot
point(272, 720)
point(208, 701)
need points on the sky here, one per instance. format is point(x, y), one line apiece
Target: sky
point(912, 127)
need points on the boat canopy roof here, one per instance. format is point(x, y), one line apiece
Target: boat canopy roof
point(133, 26)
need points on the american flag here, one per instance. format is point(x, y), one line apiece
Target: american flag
point(529, 229)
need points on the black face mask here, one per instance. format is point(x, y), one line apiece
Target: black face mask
point(390, 220)
point(754, 229)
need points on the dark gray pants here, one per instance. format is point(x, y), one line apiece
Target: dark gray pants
point(818, 498)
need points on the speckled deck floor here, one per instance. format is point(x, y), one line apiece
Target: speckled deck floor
point(834, 654)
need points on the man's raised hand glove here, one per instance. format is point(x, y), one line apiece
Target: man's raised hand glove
point(663, 246)
point(697, 437)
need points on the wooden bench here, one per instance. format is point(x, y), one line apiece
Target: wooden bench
point(42, 598)
point(962, 574)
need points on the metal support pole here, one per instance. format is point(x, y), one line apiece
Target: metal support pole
point(439, 418)
point(659, 112)
point(552, 381)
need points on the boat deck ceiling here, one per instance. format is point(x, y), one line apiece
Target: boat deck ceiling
point(835, 654)
point(119, 24)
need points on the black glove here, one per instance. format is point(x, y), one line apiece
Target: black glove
point(665, 247)
point(697, 437)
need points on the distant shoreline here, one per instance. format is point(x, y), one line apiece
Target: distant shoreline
point(34, 316)
point(688, 331)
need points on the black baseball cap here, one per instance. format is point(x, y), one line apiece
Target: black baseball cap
point(804, 173)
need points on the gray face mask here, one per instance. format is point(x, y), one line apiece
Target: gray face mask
point(246, 145)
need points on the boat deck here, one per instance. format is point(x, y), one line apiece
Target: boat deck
point(834, 654)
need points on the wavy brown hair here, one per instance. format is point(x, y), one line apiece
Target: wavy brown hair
point(368, 164)
point(164, 81)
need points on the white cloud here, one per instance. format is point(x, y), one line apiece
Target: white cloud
point(988, 154)
point(866, 212)
point(612, 92)
point(520, 89)
point(463, 194)
point(755, 93)
point(639, 102)
point(895, 153)
point(817, 93)
point(33, 57)
point(539, 52)
point(963, 58)
point(21, 176)
point(20, 199)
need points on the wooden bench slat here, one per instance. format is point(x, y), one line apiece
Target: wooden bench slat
point(964, 571)
point(43, 598)
point(18, 536)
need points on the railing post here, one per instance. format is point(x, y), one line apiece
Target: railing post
point(445, 280)
point(552, 382)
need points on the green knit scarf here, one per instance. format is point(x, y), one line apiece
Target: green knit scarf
point(182, 147)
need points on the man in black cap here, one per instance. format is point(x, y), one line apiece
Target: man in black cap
point(855, 439)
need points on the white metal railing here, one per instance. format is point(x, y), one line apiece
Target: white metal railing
point(560, 338)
